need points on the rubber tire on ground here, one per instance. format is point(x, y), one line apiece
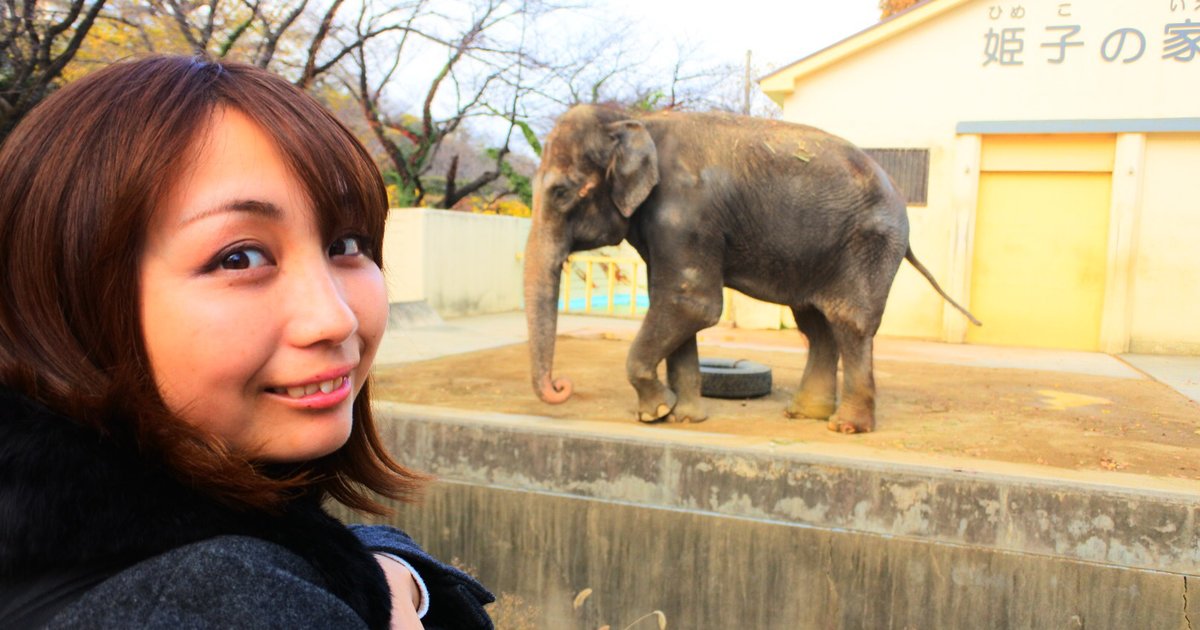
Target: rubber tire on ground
point(734, 378)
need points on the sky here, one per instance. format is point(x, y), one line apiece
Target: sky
point(778, 32)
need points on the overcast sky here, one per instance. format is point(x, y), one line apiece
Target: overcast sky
point(777, 31)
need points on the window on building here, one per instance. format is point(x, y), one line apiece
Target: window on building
point(909, 168)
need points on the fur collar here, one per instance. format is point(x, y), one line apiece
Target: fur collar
point(68, 498)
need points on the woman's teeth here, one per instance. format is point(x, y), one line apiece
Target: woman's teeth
point(300, 391)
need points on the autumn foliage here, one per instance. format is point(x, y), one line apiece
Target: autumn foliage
point(506, 206)
point(889, 8)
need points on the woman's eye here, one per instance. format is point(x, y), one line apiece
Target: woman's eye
point(349, 246)
point(244, 259)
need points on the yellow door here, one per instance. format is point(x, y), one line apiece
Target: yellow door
point(1040, 250)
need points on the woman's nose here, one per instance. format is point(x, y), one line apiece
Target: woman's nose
point(321, 312)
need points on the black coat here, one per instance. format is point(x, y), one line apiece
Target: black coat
point(95, 536)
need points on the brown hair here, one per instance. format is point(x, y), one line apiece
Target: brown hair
point(79, 179)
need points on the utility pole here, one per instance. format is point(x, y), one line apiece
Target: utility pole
point(746, 87)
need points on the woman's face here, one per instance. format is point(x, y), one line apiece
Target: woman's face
point(258, 329)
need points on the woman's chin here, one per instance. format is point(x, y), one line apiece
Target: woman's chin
point(300, 449)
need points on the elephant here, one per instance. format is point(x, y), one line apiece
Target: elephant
point(781, 212)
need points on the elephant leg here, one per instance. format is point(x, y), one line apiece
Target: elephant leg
point(856, 413)
point(817, 397)
point(668, 325)
point(683, 377)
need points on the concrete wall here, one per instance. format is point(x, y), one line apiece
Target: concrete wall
point(460, 263)
point(911, 82)
point(723, 532)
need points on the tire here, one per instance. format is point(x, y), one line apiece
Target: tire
point(734, 378)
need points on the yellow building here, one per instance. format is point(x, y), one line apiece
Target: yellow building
point(1051, 153)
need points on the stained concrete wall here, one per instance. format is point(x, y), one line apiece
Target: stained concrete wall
point(706, 571)
point(719, 532)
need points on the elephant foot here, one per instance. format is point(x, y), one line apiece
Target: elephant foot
point(852, 419)
point(688, 412)
point(810, 408)
point(651, 412)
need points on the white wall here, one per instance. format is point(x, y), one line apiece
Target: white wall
point(935, 75)
point(1166, 278)
point(404, 255)
point(461, 263)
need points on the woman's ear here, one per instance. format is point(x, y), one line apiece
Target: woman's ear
point(633, 169)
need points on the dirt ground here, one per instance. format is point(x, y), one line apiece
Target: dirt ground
point(1052, 419)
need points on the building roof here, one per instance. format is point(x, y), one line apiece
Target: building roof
point(781, 83)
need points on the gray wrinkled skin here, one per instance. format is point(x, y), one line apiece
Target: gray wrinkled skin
point(781, 212)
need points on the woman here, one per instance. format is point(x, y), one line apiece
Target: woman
point(192, 298)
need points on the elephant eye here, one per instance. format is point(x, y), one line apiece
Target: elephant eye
point(560, 192)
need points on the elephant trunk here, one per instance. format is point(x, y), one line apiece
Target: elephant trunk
point(543, 271)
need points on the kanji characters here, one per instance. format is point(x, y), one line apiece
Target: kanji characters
point(1004, 47)
point(1183, 41)
point(1068, 31)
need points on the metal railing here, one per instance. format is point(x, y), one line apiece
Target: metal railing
point(616, 284)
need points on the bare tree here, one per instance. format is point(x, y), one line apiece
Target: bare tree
point(733, 85)
point(619, 68)
point(420, 70)
point(690, 85)
point(480, 75)
point(300, 40)
point(36, 44)
point(480, 72)
point(590, 68)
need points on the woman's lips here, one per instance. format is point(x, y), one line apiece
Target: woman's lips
point(315, 395)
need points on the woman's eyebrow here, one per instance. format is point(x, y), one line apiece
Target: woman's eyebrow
point(253, 206)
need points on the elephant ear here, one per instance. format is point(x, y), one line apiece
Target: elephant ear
point(633, 169)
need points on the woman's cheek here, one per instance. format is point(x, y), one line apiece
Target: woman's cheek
point(374, 318)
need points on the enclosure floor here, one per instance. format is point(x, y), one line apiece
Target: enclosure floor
point(1043, 410)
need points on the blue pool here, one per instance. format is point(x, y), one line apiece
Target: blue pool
point(600, 303)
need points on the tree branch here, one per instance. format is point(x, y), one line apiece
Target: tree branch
point(271, 41)
point(185, 27)
point(310, 62)
point(207, 32)
point(60, 62)
point(239, 30)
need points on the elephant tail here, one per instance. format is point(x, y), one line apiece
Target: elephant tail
point(912, 258)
